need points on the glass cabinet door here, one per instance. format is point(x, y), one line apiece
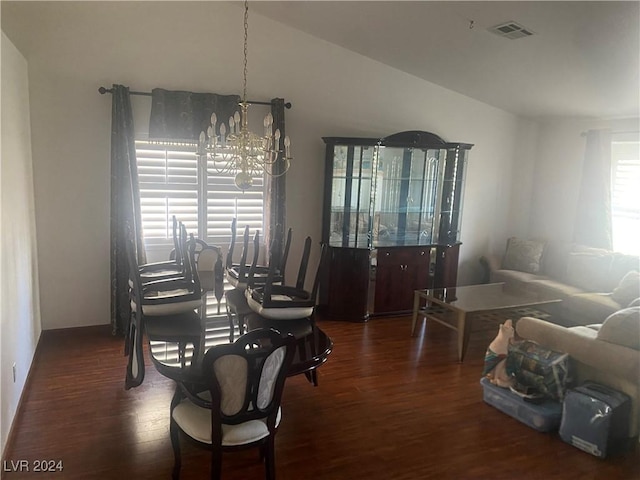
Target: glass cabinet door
point(350, 220)
point(453, 175)
point(406, 183)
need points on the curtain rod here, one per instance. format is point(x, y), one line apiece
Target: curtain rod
point(103, 90)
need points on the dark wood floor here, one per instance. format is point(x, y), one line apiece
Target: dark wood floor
point(388, 407)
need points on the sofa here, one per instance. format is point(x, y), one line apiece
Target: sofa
point(592, 283)
point(606, 353)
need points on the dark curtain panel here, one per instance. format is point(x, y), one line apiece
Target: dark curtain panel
point(275, 213)
point(593, 217)
point(178, 115)
point(125, 206)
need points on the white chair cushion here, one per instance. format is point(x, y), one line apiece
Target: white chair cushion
point(195, 421)
point(231, 371)
point(278, 313)
point(167, 308)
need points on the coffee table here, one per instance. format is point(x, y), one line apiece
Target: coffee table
point(458, 307)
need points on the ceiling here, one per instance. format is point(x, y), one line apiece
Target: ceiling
point(582, 61)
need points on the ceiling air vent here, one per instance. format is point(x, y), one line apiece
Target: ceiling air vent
point(511, 30)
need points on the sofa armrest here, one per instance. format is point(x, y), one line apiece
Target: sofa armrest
point(621, 361)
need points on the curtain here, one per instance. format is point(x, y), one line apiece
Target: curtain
point(275, 213)
point(593, 216)
point(179, 115)
point(125, 207)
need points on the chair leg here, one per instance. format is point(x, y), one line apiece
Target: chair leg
point(312, 376)
point(216, 463)
point(174, 434)
point(270, 458)
point(231, 326)
point(241, 325)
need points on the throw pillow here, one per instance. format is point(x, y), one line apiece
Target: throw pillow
point(523, 255)
point(588, 271)
point(622, 328)
point(628, 289)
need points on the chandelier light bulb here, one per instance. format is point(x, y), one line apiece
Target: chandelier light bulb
point(243, 181)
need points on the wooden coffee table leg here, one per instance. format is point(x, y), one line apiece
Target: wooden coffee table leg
point(464, 329)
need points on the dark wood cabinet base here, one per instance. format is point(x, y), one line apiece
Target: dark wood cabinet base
point(358, 283)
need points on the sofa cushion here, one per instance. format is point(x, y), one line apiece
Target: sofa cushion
point(628, 289)
point(586, 308)
point(622, 328)
point(523, 255)
point(589, 271)
point(514, 278)
point(554, 259)
point(554, 288)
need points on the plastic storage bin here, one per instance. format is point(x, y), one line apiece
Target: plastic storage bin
point(543, 417)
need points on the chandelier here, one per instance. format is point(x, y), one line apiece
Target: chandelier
point(239, 150)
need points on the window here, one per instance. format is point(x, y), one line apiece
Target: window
point(172, 183)
point(625, 188)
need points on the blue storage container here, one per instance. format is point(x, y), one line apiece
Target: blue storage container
point(544, 417)
point(596, 419)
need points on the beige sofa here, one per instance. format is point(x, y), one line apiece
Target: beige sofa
point(608, 353)
point(592, 283)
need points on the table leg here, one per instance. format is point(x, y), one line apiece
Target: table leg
point(464, 329)
point(416, 308)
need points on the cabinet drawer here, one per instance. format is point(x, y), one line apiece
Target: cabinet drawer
point(402, 256)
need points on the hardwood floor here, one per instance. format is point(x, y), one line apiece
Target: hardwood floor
point(388, 406)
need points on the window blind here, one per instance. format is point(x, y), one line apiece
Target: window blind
point(172, 182)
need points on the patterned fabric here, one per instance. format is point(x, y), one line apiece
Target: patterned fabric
point(179, 115)
point(231, 371)
point(544, 370)
point(125, 206)
point(523, 255)
point(274, 201)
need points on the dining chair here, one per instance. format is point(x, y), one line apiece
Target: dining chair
point(158, 305)
point(208, 260)
point(254, 274)
point(240, 407)
point(237, 273)
point(237, 307)
point(175, 266)
point(287, 302)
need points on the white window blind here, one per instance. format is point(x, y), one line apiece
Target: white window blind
point(173, 183)
point(625, 199)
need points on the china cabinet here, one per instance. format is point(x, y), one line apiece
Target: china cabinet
point(391, 219)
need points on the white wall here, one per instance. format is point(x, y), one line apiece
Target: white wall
point(557, 173)
point(20, 323)
point(75, 47)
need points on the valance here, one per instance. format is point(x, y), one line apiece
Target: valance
point(180, 115)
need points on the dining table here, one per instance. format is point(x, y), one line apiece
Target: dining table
point(177, 351)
